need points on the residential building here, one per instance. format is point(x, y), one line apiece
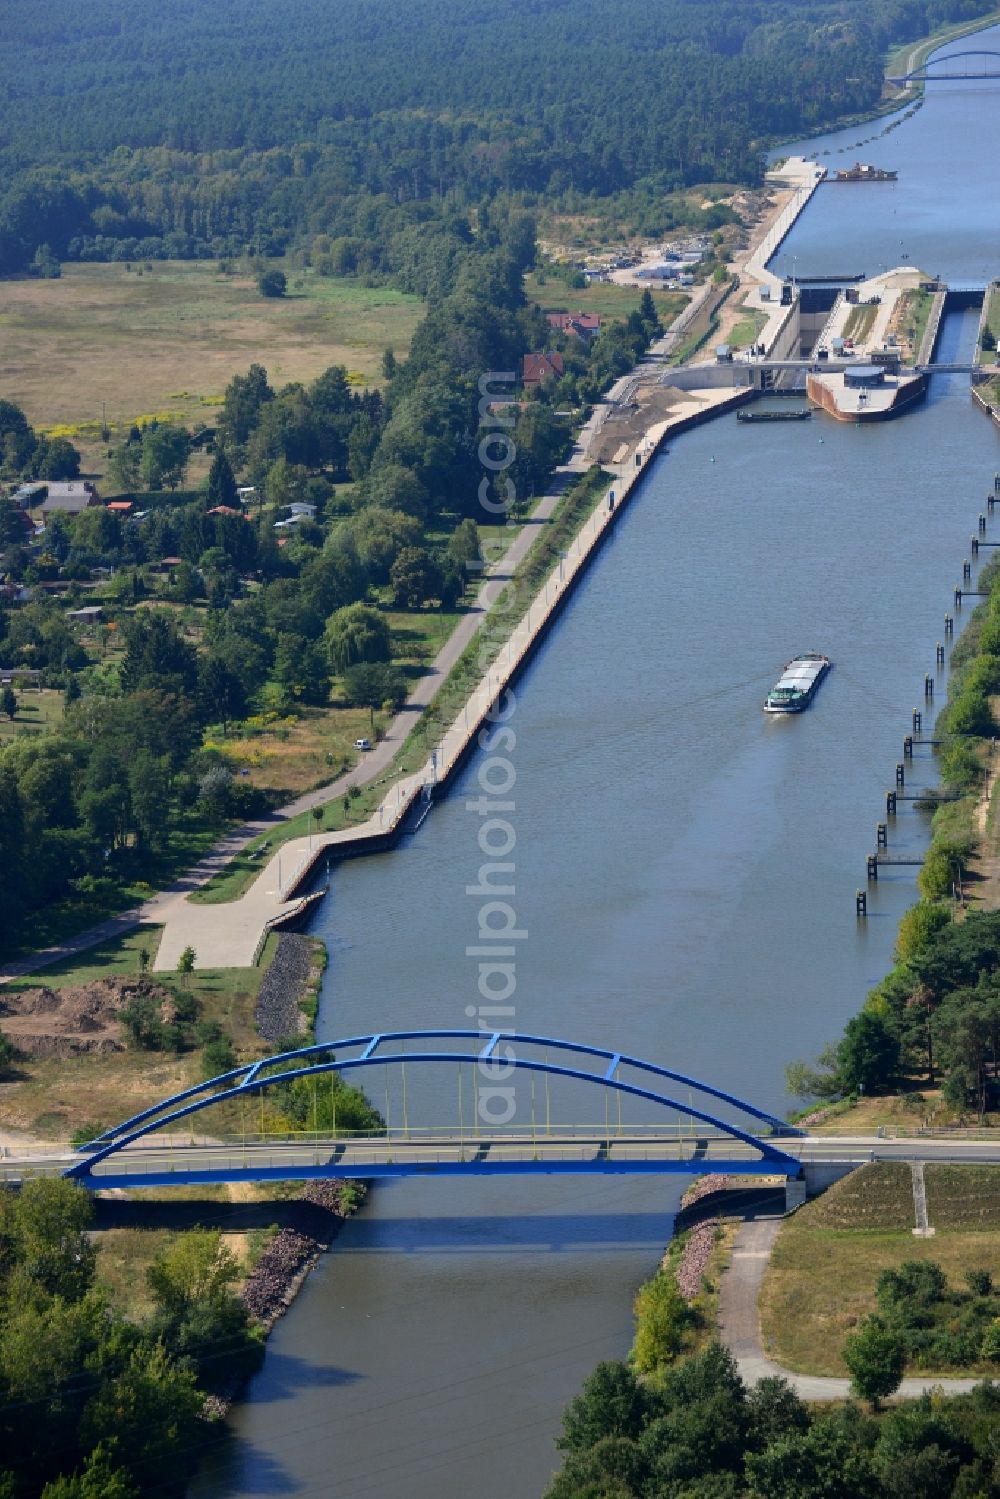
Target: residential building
point(68, 497)
point(538, 367)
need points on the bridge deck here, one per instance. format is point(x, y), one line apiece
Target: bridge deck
point(637, 1153)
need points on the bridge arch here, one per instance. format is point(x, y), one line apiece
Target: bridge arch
point(935, 67)
point(618, 1072)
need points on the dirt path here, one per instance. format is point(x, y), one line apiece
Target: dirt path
point(983, 887)
point(739, 1325)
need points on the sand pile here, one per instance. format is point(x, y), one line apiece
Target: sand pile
point(47, 1022)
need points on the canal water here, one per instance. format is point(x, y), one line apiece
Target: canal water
point(942, 214)
point(685, 874)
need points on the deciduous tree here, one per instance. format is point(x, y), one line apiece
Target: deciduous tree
point(876, 1359)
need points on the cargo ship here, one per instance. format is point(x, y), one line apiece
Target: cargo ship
point(863, 172)
point(796, 687)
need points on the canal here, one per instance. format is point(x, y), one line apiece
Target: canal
point(685, 873)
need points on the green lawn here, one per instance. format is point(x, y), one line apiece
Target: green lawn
point(116, 959)
point(37, 712)
point(914, 313)
point(992, 319)
point(553, 295)
point(746, 331)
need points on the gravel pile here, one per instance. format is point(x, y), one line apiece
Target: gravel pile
point(816, 1117)
point(694, 1258)
point(266, 1293)
point(318, 1214)
point(283, 985)
point(705, 1186)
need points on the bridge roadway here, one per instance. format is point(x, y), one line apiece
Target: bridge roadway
point(179, 1162)
point(814, 366)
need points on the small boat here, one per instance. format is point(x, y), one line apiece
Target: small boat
point(796, 687)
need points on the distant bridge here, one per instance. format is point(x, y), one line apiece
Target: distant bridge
point(955, 65)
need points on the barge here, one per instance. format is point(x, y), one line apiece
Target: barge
point(796, 687)
point(863, 171)
point(774, 416)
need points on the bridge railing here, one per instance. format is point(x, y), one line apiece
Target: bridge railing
point(368, 1160)
point(937, 1132)
point(597, 1130)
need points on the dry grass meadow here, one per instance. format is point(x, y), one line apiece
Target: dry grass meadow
point(165, 339)
point(821, 1279)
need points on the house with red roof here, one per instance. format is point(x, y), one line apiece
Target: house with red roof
point(538, 367)
point(585, 325)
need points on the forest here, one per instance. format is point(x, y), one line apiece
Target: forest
point(698, 1432)
point(193, 131)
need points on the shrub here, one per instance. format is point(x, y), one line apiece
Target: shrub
point(272, 283)
point(217, 1057)
point(662, 1317)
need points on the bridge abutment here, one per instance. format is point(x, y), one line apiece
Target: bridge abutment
point(795, 1193)
point(818, 1175)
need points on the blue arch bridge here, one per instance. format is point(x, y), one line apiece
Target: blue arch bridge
point(970, 65)
point(499, 1104)
point(460, 1103)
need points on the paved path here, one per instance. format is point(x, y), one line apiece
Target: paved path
point(739, 1324)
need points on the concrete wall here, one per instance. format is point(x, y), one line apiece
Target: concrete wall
point(710, 377)
point(983, 320)
point(818, 1175)
point(786, 340)
point(811, 325)
point(926, 351)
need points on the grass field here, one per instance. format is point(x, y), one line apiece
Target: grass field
point(905, 1111)
point(553, 295)
point(821, 1279)
point(910, 319)
point(992, 319)
point(859, 322)
point(51, 1097)
point(316, 745)
point(37, 713)
point(745, 332)
point(963, 1197)
point(168, 339)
